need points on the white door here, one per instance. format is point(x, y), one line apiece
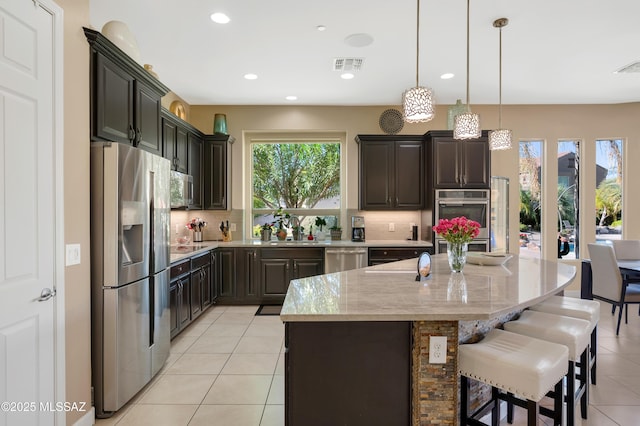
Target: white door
point(27, 213)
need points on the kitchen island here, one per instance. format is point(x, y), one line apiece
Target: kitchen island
point(357, 342)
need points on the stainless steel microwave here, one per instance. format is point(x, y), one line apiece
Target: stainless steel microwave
point(181, 190)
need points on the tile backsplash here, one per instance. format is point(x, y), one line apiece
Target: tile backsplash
point(378, 225)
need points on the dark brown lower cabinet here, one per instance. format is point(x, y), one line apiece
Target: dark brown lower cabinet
point(348, 373)
point(179, 297)
point(279, 266)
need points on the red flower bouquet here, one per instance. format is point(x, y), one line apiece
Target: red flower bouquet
point(457, 230)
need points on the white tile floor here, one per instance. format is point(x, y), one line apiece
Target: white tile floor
point(227, 369)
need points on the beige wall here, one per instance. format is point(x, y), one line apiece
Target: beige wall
point(547, 122)
point(76, 203)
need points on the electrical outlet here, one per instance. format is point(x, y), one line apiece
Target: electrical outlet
point(392, 227)
point(73, 254)
point(233, 227)
point(437, 349)
point(177, 229)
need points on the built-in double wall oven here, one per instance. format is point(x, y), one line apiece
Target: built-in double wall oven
point(470, 203)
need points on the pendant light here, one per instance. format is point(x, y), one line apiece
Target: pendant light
point(417, 102)
point(500, 138)
point(467, 124)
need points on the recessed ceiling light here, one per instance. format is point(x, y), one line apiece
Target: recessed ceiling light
point(291, 98)
point(347, 76)
point(447, 75)
point(220, 18)
point(250, 76)
point(321, 28)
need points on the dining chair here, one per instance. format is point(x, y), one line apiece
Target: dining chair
point(609, 285)
point(627, 249)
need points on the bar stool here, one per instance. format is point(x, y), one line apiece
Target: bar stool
point(516, 364)
point(577, 308)
point(574, 334)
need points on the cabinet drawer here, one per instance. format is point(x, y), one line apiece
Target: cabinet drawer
point(200, 261)
point(180, 268)
point(288, 253)
point(396, 253)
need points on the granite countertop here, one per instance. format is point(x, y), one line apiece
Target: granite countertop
point(389, 292)
point(183, 251)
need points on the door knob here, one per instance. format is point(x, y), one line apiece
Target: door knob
point(46, 294)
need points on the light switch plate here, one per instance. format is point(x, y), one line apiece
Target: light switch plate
point(233, 227)
point(73, 254)
point(392, 227)
point(437, 349)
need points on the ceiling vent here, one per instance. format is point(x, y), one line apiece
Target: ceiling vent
point(631, 68)
point(347, 64)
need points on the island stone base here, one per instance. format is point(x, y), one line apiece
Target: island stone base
point(435, 386)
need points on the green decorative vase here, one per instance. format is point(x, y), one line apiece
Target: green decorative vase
point(220, 124)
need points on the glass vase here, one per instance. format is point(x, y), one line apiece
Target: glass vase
point(457, 254)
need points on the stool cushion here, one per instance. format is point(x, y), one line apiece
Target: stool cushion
point(571, 307)
point(574, 333)
point(515, 363)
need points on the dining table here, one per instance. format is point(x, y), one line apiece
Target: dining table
point(627, 267)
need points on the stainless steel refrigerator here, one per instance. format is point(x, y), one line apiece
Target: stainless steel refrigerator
point(130, 221)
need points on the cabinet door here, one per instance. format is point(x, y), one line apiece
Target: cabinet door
point(196, 293)
point(376, 175)
point(173, 308)
point(215, 175)
point(169, 132)
point(147, 119)
point(409, 175)
point(274, 277)
point(214, 275)
point(250, 275)
point(303, 268)
point(113, 102)
point(475, 165)
point(446, 167)
point(227, 273)
point(184, 302)
point(206, 287)
point(182, 150)
point(195, 169)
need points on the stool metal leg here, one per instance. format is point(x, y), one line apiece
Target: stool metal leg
point(571, 394)
point(464, 400)
point(594, 350)
point(495, 411)
point(510, 410)
point(532, 413)
point(584, 382)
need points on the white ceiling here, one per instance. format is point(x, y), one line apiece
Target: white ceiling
point(554, 51)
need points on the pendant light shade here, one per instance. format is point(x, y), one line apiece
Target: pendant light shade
point(467, 125)
point(500, 138)
point(418, 103)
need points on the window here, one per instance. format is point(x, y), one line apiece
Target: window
point(530, 197)
point(568, 199)
point(301, 177)
point(609, 158)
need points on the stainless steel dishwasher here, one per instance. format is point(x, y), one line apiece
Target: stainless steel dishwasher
point(344, 259)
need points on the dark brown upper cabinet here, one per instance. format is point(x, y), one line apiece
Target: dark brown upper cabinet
point(125, 98)
point(215, 182)
point(391, 172)
point(459, 163)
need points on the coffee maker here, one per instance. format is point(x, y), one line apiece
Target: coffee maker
point(357, 229)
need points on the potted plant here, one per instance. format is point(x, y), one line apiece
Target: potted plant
point(336, 232)
point(320, 222)
point(282, 218)
point(265, 231)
